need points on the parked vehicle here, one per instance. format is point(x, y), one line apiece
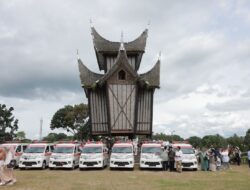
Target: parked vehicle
point(94, 156)
point(122, 156)
point(18, 147)
point(151, 155)
point(65, 155)
point(36, 155)
point(189, 159)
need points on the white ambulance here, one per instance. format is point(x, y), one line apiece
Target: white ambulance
point(189, 159)
point(18, 147)
point(94, 155)
point(65, 155)
point(151, 156)
point(122, 156)
point(36, 155)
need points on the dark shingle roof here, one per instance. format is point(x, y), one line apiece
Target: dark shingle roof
point(152, 77)
point(103, 45)
point(88, 78)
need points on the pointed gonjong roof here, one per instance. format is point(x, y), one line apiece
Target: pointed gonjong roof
point(152, 77)
point(103, 45)
point(88, 78)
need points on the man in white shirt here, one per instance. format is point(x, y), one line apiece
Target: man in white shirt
point(225, 159)
point(178, 159)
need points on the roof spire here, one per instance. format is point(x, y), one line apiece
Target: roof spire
point(149, 22)
point(159, 56)
point(122, 44)
point(121, 36)
point(91, 23)
point(77, 54)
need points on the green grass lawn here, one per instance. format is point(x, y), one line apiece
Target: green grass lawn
point(238, 178)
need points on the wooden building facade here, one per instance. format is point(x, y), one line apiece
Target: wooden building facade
point(120, 100)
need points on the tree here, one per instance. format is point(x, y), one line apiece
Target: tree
point(73, 119)
point(215, 141)
point(8, 123)
point(195, 141)
point(164, 137)
point(247, 139)
point(235, 140)
point(176, 138)
point(161, 136)
point(20, 135)
point(53, 137)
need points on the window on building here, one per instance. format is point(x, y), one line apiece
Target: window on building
point(122, 75)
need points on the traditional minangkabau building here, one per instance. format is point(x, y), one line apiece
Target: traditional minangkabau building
point(120, 100)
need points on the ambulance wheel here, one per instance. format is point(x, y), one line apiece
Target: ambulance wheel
point(73, 166)
point(195, 169)
point(44, 165)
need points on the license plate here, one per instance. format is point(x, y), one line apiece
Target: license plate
point(121, 164)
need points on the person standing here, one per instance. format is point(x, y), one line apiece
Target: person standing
point(204, 159)
point(178, 159)
point(164, 157)
point(225, 158)
point(248, 155)
point(171, 156)
point(212, 160)
point(7, 176)
point(2, 158)
point(238, 156)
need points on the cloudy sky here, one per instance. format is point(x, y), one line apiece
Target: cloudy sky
point(205, 62)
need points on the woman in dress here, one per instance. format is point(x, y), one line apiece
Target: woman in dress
point(212, 160)
point(204, 159)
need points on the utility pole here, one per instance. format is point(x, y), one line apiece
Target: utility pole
point(41, 129)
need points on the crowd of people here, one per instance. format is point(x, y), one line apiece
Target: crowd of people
point(7, 165)
point(209, 159)
point(214, 159)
